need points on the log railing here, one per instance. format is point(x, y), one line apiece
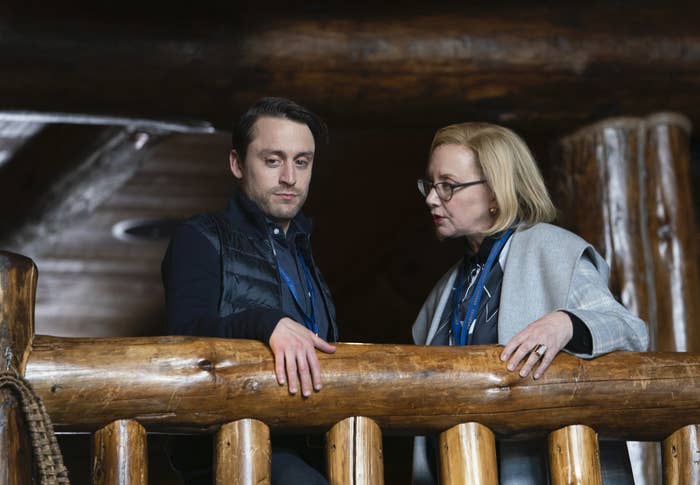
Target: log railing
point(121, 388)
point(197, 384)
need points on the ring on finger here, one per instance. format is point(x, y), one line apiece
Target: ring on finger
point(540, 350)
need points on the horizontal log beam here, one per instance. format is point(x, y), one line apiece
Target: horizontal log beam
point(510, 63)
point(169, 383)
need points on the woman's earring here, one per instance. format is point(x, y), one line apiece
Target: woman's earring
point(493, 211)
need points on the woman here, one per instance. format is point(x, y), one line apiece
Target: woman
point(531, 286)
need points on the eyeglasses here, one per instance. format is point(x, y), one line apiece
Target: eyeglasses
point(445, 190)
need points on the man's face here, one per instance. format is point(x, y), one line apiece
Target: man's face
point(277, 169)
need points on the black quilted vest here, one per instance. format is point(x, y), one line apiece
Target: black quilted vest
point(249, 274)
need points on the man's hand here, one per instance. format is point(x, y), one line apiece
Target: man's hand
point(554, 330)
point(294, 347)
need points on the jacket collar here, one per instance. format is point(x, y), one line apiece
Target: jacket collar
point(246, 216)
point(480, 256)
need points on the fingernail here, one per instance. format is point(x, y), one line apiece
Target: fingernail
point(536, 376)
point(511, 367)
point(318, 387)
point(522, 374)
point(306, 393)
point(293, 390)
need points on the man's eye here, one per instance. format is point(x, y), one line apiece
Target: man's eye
point(302, 162)
point(272, 162)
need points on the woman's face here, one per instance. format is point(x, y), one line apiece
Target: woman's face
point(467, 212)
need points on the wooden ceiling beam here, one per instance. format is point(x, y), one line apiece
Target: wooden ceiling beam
point(62, 174)
point(556, 66)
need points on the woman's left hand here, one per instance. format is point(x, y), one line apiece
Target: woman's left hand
point(554, 330)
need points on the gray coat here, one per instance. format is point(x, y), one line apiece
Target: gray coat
point(545, 269)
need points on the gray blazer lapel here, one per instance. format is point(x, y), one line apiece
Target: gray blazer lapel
point(428, 318)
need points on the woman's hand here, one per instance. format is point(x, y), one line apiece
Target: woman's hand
point(554, 330)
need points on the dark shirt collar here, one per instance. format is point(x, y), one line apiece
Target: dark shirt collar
point(293, 231)
point(247, 216)
point(482, 253)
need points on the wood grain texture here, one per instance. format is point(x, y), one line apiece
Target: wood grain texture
point(199, 383)
point(681, 456)
point(427, 64)
point(354, 452)
point(18, 278)
point(65, 188)
point(16, 460)
point(242, 453)
point(672, 229)
point(468, 456)
point(624, 186)
point(120, 454)
point(574, 456)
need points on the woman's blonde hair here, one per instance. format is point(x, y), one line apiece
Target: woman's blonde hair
point(510, 171)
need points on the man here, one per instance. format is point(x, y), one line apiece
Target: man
point(248, 271)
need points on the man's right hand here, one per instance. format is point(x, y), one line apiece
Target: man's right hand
point(294, 347)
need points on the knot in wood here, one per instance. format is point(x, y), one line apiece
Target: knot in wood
point(665, 231)
point(251, 385)
point(205, 365)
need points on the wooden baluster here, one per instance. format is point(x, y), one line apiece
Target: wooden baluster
point(354, 452)
point(242, 454)
point(574, 456)
point(120, 454)
point(468, 455)
point(681, 456)
point(18, 277)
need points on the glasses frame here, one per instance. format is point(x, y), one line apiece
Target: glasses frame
point(452, 187)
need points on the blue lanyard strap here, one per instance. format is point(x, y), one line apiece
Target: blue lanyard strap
point(462, 330)
point(309, 320)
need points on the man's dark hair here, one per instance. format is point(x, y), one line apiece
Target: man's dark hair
point(276, 108)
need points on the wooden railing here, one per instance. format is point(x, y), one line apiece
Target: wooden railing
point(122, 388)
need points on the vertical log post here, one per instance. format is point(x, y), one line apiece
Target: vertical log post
point(354, 452)
point(242, 454)
point(574, 456)
point(623, 184)
point(468, 455)
point(18, 278)
point(120, 454)
point(681, 456)
point(673, 234)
